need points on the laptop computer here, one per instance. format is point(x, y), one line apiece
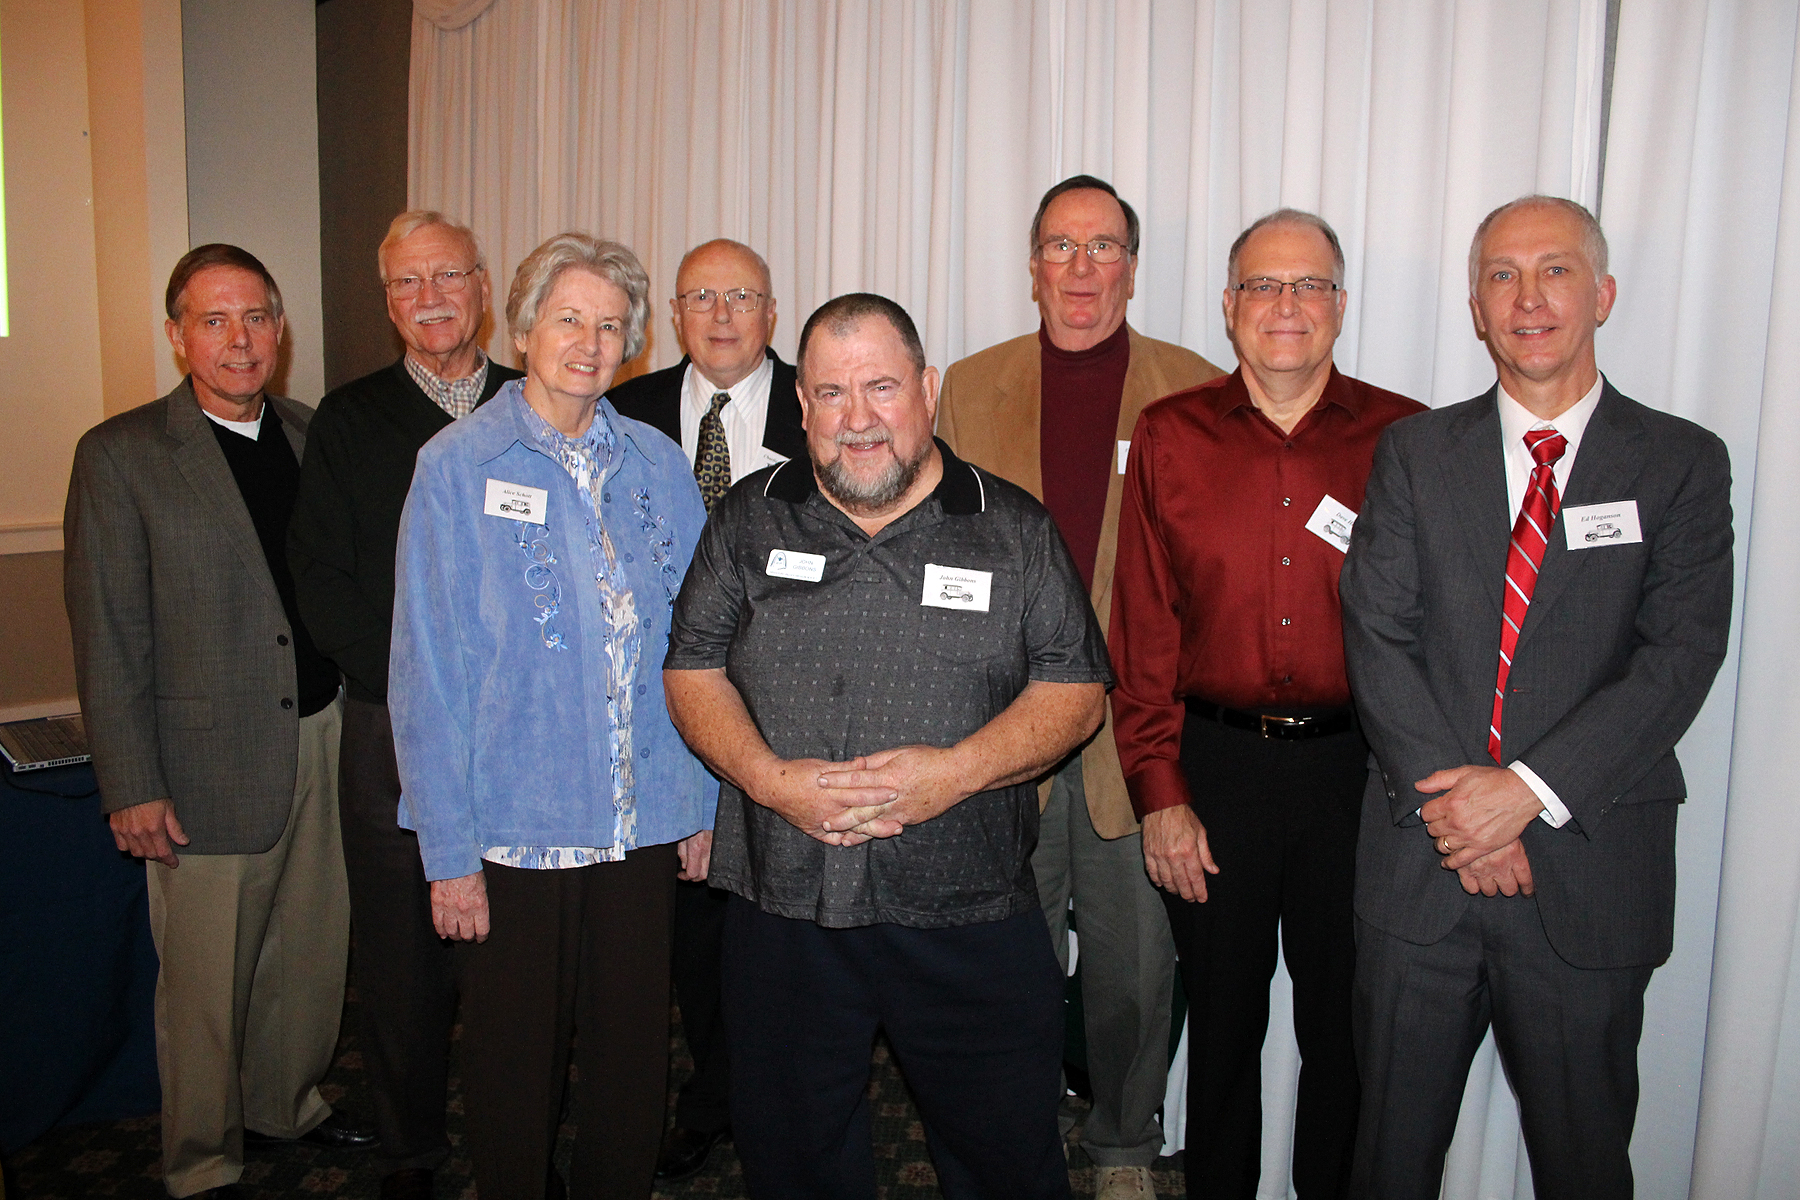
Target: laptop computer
point(45, 742)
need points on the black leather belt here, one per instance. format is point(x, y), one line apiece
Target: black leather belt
point(1271, 726)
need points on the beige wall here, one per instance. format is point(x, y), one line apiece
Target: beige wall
point(51, 361)
point(253, 155)
point(37, 673)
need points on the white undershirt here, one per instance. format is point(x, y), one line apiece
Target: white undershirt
point(1515, 422)
point(743, 416)
point(250, 429)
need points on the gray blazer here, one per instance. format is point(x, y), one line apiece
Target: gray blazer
point(182, 651)
point(1618, 650)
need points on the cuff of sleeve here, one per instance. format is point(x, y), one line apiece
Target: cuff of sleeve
point(1157, 785)
point(1555, 813)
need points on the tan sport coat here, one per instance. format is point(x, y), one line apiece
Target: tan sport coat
point(989, 413)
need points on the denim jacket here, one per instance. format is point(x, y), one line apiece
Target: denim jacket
point(499, 668)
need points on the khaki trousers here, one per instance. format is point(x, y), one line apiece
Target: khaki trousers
point(253, 950)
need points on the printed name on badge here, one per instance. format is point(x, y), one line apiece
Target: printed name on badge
point(1124, 453)
point(1587, 526)
point(792, 564)
point(516, 502)
point(957, 588)
point(1333, 522)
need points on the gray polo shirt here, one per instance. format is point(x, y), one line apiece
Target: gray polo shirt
point(885, 642)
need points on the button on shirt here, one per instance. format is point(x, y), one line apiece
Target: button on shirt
point(743, 417)
point(1221, 592)
point(854, 663)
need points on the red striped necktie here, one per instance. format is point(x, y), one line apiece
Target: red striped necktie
point(1530, 537)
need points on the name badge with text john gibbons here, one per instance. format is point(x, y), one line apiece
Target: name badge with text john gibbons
point(793, 564)
point(958, 588)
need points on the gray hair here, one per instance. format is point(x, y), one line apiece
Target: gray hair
point(1289, 216)
point(1593, 238)
point(568, 251)
point(415, 219)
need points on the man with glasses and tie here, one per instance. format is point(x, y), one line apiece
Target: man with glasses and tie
point(732, 405)
point(1232, 713)
point(353, 485)
point(1053, 411)
point(1523, 696)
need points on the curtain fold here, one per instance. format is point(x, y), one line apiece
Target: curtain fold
point(901, 145)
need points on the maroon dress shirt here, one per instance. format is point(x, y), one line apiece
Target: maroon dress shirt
point(1080, 391)
point(1221, 593)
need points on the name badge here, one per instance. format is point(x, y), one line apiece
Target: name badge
point(792, 564)
point(1589, 525)
point(956, 587)
point(1124, 453)
point(516, 502)
point(1332, 522)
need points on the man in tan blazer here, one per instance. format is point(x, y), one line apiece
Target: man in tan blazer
point(1053, 412)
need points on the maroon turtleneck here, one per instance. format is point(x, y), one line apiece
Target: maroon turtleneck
point(1080, 396)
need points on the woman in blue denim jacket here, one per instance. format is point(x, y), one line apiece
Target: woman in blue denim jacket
point(544, 539)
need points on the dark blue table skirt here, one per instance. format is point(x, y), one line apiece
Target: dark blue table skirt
point(77, 967)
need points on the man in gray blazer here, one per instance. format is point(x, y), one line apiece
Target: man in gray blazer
point(1522, 696)
point(214, 727)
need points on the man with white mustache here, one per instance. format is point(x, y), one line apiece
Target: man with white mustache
point(353, 485)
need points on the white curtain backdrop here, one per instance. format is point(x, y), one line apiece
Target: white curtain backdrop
point(900, 146)
point(1702, 206)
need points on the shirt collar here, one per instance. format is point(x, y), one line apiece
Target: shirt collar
point(1232, 393)
point(700, 389)
point(512, 422)
point(960, 492)
point(1516, 420)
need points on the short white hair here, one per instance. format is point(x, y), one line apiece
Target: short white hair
point(566, 251)
point(1593, 238)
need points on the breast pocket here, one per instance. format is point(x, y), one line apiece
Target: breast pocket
point(955, 631)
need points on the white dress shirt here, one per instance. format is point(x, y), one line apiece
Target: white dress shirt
point(1515, 422)
point(743, 416)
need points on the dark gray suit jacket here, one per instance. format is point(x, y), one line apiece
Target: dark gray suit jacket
point(182, 650)
point(655, 399)
point(1617, 653)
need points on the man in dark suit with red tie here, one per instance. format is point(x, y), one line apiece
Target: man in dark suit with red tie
point(1523, 696)
point(732, 404)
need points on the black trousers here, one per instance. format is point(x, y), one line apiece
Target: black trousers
point(703, 1102)
point(405, 974)
point(1568, 1038)
point(1281, 819)
point(583, 951)
point(974, 1016)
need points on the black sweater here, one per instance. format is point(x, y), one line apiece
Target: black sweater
point(359, 465)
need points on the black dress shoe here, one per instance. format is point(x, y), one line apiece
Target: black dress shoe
point(336, 1132)
point(414, 1183)
point(684, 1152)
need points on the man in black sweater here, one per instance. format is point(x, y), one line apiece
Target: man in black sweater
point(353, 484)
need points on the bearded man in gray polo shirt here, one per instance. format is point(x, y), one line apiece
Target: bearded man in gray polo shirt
point(878, 652)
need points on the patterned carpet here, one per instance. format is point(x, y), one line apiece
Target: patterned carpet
point(120, 1158)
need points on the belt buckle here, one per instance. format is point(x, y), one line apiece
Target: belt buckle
point(1280, 724)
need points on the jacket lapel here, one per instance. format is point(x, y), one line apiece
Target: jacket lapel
point(198, 457)
point(1611, 456)
point(1474, 470)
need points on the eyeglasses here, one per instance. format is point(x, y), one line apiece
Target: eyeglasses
point(405, 287)
point(1305, 290)
point(702, 300)
point(1062, 250)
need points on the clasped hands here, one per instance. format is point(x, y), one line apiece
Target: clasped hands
point(871, 796)
point(1475, 820)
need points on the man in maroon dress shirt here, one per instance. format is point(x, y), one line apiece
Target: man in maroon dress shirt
point(1052, 411)
point(1232, 713)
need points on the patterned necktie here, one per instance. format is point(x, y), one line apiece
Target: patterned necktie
point(1530, 537)
point(712, 457)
